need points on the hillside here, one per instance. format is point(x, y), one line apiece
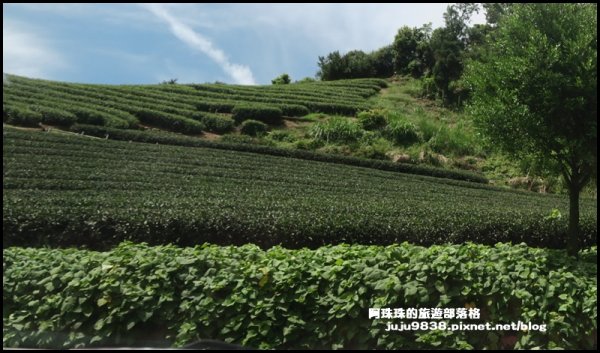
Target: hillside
point(363, 118)
point(182, 108)
point(436, 193)
point(76, 190)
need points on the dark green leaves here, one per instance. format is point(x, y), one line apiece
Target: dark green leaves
point(188, 109)
point(281, 299)
point(96, 193)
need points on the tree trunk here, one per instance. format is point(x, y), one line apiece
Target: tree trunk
point(573, 240)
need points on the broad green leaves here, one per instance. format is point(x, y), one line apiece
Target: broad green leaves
point(284, 298)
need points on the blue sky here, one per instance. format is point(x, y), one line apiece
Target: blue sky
point(233, 43)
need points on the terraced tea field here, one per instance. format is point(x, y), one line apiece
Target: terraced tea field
point(75, 190)
point(448, 203)
point(182, 108)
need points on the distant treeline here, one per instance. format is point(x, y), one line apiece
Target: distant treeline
point(438, 56)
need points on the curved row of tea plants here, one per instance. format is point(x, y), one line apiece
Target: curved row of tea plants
point(180, 108)
point(76, 190)
point(310, 299)
point(178, 140)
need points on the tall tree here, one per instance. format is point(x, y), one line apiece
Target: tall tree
point(331, 67)
point(448, 55)
point(494, 11)
point(411, 50)
point(359, 65)
point(534, 94)
point(382, 61)
point(448, 45)
point(282, 79)
point(356, 64)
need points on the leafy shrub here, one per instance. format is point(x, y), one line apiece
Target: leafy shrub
point(239, 140)
point(375, 149)
point(169, 121)
point(308, 145)
point(331, 108)
point(372, 119)
point(18, 115)
point(215, 106)
point(282, 135)
point(293, 109)
point(336, 149)
point(295, 299)
point(119, 104)
point(253, 128)
point(368, 137)
point(96, 117)
point(88, 116)
point(336, 129)
point(306, 80)
point(56, 116)
point(217, 124)
point(282, 79)
point(428, 88)
point(402, 132)
point(264, 113)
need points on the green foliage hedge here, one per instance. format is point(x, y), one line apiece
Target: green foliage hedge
point(311, 299)
point(215, 107)
point(264, 113)
point(228, 106)
point(97, 117)
point(169, 121)
point(32, 115)
point(293, 109)
point(55, 116)
point(253, 128)
point(338, 109)
point(19, 115)
point(217, 124)
point(372, 120)
point(174, 107)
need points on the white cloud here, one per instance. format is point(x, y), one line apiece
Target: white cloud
point(338, 26)
point(111, 14)
point(239, 73)
point(324, 26)
point(272, 38)
point(26, 52)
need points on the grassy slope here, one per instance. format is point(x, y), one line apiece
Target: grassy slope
point(448, 138)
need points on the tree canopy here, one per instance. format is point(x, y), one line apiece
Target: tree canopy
point(282, 79)
point(534, 92)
